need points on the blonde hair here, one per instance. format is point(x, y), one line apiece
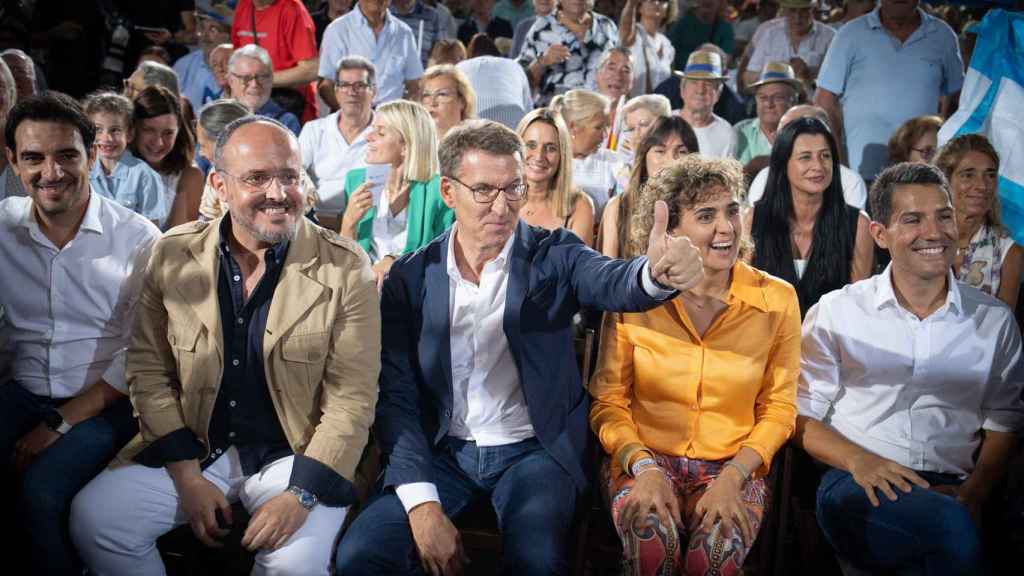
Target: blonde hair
point(561, 193)
point(414, 124)
point(656, 104)
point(578, 105)
point(462, 86)
point(682, 185)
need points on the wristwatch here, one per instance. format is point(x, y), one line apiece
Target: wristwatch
point(306, 498)
point(56, 422)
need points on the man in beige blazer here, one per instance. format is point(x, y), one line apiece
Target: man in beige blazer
point(253, 369)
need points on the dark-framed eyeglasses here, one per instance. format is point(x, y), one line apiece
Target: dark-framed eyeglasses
point(486, 194)
point(357, 87)
point(258, 78)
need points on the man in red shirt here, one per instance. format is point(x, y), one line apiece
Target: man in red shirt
point(285, 29)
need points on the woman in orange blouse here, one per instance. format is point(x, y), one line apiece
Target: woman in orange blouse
point(692, 399)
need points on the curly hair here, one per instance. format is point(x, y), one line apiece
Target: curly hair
point(683, 185)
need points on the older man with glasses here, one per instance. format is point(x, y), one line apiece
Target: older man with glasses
point(480, 393)
point(195, 73)
point(251, 77)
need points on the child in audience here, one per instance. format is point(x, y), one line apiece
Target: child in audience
point(117, 173)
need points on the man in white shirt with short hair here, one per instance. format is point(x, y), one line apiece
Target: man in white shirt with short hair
point(700, 88)
point(910, 391)
point(73, 265)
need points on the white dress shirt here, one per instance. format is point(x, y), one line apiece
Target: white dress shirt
point(393, 52)
point(390, 233)
point(501, 86)
point(327, 158)
point(488, 405)
point(854, 190)
point(917, 392)
point(68, 312)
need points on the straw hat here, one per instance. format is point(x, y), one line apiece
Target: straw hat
point(702, 65)
point(777, 72)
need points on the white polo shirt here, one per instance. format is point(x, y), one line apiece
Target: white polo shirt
point(327, 158)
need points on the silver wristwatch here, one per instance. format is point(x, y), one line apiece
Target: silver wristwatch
point(306, 498)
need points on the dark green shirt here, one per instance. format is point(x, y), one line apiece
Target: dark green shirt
point(688, 33)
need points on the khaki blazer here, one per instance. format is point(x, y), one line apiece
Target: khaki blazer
point(321, 347)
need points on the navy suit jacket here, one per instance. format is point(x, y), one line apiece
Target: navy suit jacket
point(551, 275)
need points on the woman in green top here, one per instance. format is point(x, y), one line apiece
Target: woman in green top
point(408, 212)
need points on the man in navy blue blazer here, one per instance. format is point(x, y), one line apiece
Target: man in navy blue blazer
point(480, 395)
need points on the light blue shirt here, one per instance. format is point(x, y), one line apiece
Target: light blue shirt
point(132, 184)
point(393, 52)
point(196, 79)
point(272, 110)
point(882, 83)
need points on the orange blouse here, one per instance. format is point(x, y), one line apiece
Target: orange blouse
point(661, 387)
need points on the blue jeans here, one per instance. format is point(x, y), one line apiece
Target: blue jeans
point(45, 489)
point(922, 530)
point(533, 497)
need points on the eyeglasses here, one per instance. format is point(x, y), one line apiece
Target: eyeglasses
point(356, 87)
point(774, 99)
point(287, 179)
point(258, 78)
point(486, 194)
point(440, 96)
point(925, 153)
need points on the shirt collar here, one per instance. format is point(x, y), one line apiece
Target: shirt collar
point(501, 260)
point(365, 22)
point(274, 256)
point(746, 287)
point(885, 294)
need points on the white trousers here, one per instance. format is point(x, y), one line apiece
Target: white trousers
point(116, 519)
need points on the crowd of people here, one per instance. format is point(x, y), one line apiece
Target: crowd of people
point(247, 245)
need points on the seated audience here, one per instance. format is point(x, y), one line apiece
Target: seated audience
point(336, 144)
point(667, 141)
point(987, 259)
point(700, 87)
point(428, 24)
point(638, 116)
point(195, 73)
point(641, 31)
point(285, 30)
point(294, 308)
point(552, 201)
point(501, 87)
point(480, 397)
point(10, 184)
point(910, 393)
point(593, 166)
point(540, 8)
point(164, 140)
point(67, 316)
point(690, 442)
point(151, 74)
point(481, 20)
point(401, 211)
point(447, 51)
point(213, 119)
point(554, 54)
point(916, 140)
point(803, 230)
point(704, 22)
point(854, 191)
point(372, 32)
point(614, 81)
point(118, 174)
point(794, 38)
point(219, 58)
point(447, 96)
point(775, 92)
point(251, 76)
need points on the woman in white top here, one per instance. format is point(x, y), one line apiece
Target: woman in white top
point(593, 166)
point(448, 97)
point(988, 258)
point(166, 142)
point(640, 30)
point(552, 201)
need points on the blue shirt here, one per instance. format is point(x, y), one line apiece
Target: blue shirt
point(393, 52)
point(882, 83)
point(132, 184)
point(272, 110)
point(196, 80)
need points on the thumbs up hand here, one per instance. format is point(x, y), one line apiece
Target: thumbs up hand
point(674, 261)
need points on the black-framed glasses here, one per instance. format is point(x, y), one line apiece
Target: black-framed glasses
point(258, 78)
point(925, 153)
point(356, 87)
point(486, 194)
point(287, 179)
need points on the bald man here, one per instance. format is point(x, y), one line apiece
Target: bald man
point(24, 71)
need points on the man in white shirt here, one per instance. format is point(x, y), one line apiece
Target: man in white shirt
point(700, 89)
point(480, 393)
point(910, 391)
point(502, 88)
point(73, 263)
point(795, 38)
point(371, 31)
point(335, 144)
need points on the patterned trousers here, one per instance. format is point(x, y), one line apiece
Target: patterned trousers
point(653, 549)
